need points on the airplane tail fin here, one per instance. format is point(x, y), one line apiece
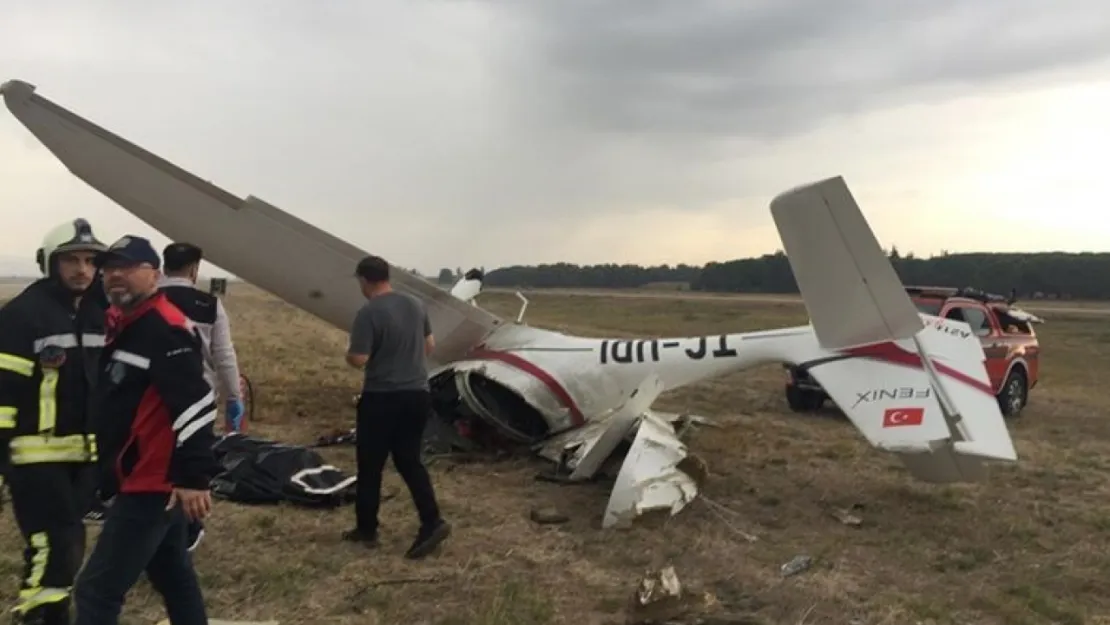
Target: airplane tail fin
point(913, 384)
point(851, 291)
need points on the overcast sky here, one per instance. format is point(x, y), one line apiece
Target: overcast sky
point(458, 132)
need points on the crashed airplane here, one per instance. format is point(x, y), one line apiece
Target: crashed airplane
point(575, 400)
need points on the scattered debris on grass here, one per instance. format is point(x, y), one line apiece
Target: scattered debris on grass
point(548, 515)
point(797, 564)
point(847, 517)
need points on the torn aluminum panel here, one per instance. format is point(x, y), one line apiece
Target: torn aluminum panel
point(582, 452)
point(659, 598)
point(649, 478)
point(569, 448)
point(560, 447)
point(590, 456)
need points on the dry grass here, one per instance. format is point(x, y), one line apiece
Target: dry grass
point(8, 288)
point(1029, 546)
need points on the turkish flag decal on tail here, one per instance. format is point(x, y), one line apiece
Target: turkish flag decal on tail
point(894, 417)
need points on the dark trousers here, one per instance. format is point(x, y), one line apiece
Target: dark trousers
point(49, 502)
point(392, 423)
point(139, 535)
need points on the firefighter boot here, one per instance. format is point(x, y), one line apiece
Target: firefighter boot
point(55, 613)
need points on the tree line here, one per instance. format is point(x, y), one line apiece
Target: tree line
point(1051, 275)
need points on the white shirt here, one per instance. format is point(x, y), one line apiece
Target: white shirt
point(220, 362)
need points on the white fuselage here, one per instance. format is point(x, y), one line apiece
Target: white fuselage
point(572, 380)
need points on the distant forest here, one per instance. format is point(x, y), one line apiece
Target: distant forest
point(1048, 275)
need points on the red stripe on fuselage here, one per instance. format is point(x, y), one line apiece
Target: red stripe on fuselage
point(893, 354)
point(553, 385)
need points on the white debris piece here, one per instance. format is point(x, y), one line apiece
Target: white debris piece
point(659, 586)
point(596, 451)
point(649, 478)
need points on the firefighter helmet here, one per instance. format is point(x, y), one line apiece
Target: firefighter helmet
point(72, 236)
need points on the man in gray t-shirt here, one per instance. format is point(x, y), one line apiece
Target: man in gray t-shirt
point(390, 339)
point(393, 328)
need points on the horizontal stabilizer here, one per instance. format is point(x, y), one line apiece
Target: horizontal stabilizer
point(944, 428)
point(850, 289)
point(962, 374)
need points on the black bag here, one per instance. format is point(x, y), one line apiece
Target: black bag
point(260, 471)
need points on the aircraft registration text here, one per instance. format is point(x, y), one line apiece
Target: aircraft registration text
point(650, 350)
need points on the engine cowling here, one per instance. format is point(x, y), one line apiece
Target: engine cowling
point(518, 406)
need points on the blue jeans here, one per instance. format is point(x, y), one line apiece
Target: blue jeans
point(139, 535)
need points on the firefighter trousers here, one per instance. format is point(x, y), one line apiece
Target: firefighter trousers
point(49, 501)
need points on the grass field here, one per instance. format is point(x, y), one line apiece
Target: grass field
point(1041, 306)
point(1029, 546)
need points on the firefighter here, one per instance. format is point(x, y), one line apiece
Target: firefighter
point(51, 337)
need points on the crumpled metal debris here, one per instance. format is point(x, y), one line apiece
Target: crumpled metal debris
point(847, 518)
point(661, 599)
point(658, 587)
point(658, 597)
point(548, 515)
point(650, 478)
point(798, 564)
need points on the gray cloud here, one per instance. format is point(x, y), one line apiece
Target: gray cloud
point(765, 68)
point(500, 121)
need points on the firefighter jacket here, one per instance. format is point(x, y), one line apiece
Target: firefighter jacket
point(49, 356)
point(157, 410)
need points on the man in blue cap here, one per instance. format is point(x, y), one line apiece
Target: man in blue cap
point(155, 437)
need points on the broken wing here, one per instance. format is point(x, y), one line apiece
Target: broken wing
point(244, 237)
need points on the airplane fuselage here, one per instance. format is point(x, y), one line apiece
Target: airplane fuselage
point(571, 380)
point(534, 383)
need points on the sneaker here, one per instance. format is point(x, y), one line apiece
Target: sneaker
point(427, 540)
point(195, 535)
point(355, 535)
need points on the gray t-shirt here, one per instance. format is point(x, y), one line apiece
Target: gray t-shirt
point(391, 328)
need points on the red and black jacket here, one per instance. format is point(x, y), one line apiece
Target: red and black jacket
point(156, 410)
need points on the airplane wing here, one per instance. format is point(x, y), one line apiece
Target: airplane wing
point(256, 241)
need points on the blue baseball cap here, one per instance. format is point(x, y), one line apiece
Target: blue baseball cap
point(129, 250)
